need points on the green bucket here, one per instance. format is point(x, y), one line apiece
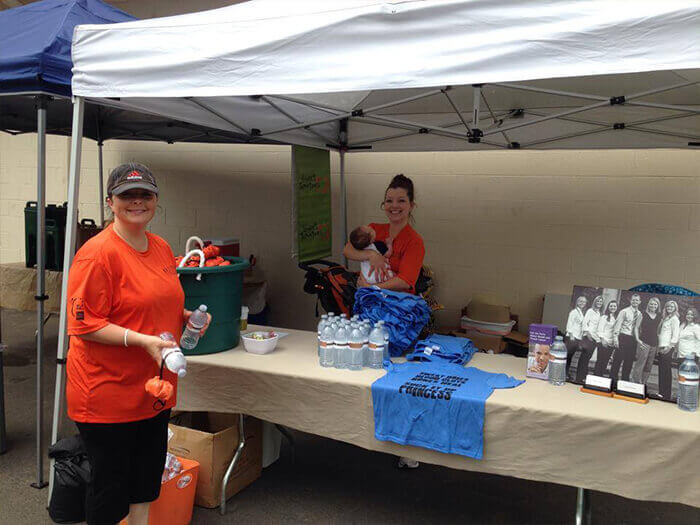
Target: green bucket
point(220, 288)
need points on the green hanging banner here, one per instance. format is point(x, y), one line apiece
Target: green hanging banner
point(311, 180)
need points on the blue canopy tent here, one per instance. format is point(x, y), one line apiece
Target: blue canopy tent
point(35, 97)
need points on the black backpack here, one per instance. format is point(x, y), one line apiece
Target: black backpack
point(333, 283)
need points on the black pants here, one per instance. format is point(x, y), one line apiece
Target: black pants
point(126, 465)
point(572, 346)
point(624, 356)
point(587, 349)
point(601, 364)
point(665, 373)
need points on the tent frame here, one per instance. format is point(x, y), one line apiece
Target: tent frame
point(583, 508)
point(43, 100)
point(473, 133)
point(470, 132)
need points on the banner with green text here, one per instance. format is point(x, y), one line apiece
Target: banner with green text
point(311, 209)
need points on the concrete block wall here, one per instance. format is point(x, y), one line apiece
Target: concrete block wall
point(504, 226)
point(512, 226)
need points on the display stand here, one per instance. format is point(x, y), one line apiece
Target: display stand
point(596, 392)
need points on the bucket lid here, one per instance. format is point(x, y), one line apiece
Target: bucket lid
point(223, 241)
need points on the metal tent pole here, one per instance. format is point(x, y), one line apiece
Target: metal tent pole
point(100, 179)
point(343, 202)
point(100, 183)
point(41, 102)
point(583, 507)
point(69, 249)
point(343, 140)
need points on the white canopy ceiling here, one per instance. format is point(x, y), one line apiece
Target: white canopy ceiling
point(552, 74)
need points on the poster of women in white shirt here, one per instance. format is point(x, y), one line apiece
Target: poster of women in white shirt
point(632, 336)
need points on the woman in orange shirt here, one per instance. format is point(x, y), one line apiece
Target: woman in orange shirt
point(123, 291)
point(407, 248)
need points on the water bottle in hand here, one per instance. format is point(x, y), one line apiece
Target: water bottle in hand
point(197, 321)
point(688, 378)
point(174, 358)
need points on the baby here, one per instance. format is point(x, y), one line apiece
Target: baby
point(364, 238)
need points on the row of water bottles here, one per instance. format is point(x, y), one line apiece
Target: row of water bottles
point(351, 343)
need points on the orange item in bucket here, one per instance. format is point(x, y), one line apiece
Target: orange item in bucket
point(176, 500)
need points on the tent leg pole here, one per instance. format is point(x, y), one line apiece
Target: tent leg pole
point(343, 203)
point(100, 183)
point(583, 507)
point(232, 465)
point(69, 249)
point(42, 102)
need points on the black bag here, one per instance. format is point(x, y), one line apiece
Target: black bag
point(71, 475)
point(334, 285)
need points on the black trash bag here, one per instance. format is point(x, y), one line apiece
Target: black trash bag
point(71, 475)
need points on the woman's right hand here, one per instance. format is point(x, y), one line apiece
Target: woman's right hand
point(154, 345)
point(377, 264)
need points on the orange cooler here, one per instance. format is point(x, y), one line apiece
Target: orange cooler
point(174, 505)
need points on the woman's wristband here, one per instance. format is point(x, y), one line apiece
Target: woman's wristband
point(126, 335)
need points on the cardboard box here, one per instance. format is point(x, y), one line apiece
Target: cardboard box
point(483, 342)
point(211, 439)
point(481, 311)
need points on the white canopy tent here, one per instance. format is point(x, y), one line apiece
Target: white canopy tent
point(404, 76)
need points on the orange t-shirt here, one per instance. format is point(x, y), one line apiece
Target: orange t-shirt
point(407, 252)
point(110, 282)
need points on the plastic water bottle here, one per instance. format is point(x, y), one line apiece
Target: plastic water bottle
point(375, 352)
point(688, 378)
point(354, 360)
point(366, 328)
point(174, 358)
point(327, 346)
point(557, 365)
point(319, 328)
point(197, 321)
point(385, 333)
point(341, 346)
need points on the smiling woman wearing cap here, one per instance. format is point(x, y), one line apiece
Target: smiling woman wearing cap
point(123, 291)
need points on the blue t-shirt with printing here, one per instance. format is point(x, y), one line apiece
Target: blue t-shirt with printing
point(435, 405)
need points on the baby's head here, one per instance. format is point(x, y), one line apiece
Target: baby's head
point(361, 237)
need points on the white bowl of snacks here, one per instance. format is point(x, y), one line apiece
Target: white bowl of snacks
point(260, 342)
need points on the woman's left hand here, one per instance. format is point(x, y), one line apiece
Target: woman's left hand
point(187, 315)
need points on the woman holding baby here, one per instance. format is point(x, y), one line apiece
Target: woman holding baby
point(398, 268)
point(394, 251)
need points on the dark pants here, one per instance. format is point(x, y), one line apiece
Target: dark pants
point(601, 364)
point(587, 349)
point(572, 346)
point(624, 356)
point(665, 374)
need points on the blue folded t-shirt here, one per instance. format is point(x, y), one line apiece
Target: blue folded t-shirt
point(435, 405)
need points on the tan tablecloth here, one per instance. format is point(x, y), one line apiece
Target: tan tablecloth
point(18, 288)
point(536, 431)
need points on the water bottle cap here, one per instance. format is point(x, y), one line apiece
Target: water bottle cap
point(558, 338)
point(203, 307)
